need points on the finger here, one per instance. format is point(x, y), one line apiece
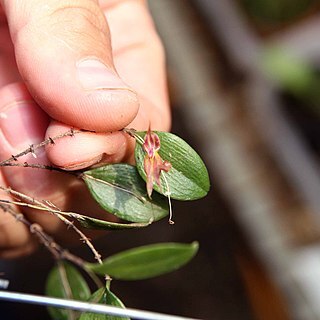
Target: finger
point(137, 50)
point(64, 54)
point(64, 191)
point(9, 72)
point(23, 123)
point(84, 149)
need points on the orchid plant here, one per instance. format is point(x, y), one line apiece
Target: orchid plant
point(166, 168)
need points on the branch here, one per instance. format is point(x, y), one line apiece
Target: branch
point(34, 147)
point(38, 166)
point(57, 251)
point(36, 204)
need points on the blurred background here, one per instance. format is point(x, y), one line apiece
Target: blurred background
point(245, 89)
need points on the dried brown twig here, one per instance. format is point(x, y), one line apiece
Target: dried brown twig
point(38, 166)
point(27, 201)
point(36, 204)
point(57, 251)
point(32, 148)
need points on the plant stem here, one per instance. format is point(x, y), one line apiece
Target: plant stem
point(57, 251)
point(66, 287)
point(39, 166)
point(55, 212)
point(34, 147)
point(133, 133)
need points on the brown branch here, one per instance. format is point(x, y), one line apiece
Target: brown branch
point(56, 250)
point(38, 166)
point(34, 147)
point(36, 204)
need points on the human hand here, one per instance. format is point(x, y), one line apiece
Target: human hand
point(65, 66)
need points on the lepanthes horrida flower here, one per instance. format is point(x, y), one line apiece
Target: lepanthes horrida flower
point(153, 163)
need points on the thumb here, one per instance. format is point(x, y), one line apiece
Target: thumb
point(64, 54)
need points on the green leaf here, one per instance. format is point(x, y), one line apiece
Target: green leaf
point(119, 189)
point(104, 296)
point(93, 223)
point(188, 178)
point(65, 281)
point(146, 261)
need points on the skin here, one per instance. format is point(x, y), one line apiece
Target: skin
point(43, 93)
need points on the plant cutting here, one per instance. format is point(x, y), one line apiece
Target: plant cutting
point(166, 168)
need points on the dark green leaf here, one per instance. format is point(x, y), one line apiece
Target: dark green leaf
point(119, 189)
point(65, 281)
point(147, 261)
point(113, 300)
point(104, 296)
point(188, 178)
point(93, 223)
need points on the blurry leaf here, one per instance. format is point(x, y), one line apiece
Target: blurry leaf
point(65, 281)
point(188, 177)
point(147, 261)
point(292, 73)
point(113, 300)
point(119, 189)
point(104, 296)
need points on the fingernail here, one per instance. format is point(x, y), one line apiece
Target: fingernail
point(23, 123)
point(93, 75)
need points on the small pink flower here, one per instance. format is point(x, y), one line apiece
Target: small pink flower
point(153, 163)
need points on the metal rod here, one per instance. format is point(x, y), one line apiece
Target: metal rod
point(86, 307)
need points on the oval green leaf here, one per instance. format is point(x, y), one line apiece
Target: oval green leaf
point(104, 296)
point(65, 281)
point(146, 261)
point(188, 177)
point(119, 189)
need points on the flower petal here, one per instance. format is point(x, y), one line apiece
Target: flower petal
point(151, 143)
